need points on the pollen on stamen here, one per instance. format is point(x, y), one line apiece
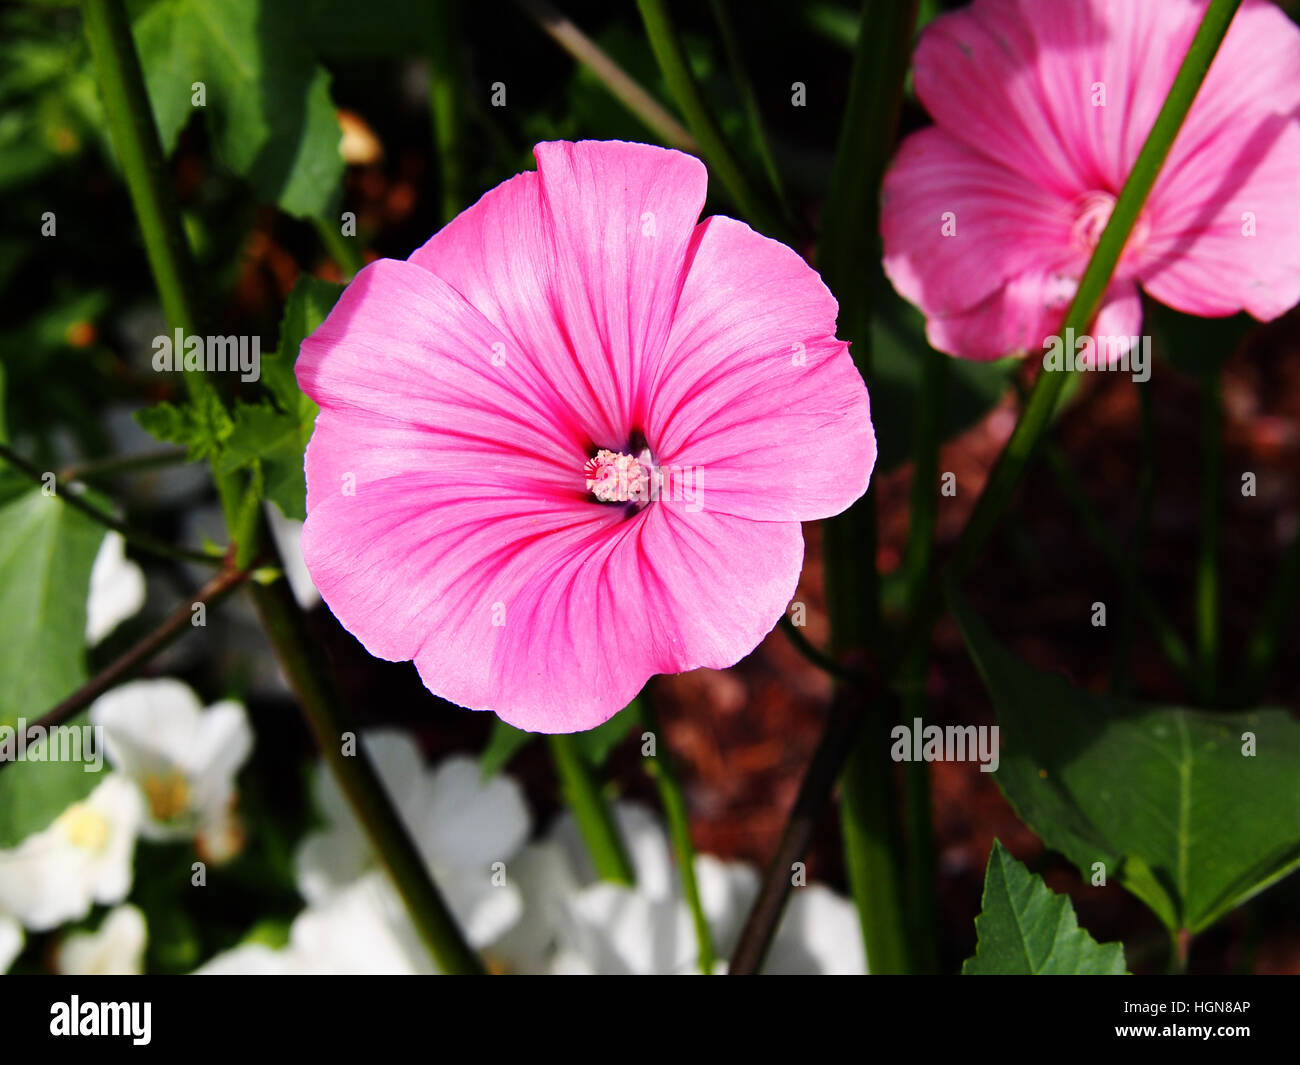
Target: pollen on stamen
point(614, 477)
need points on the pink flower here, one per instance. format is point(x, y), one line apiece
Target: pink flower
point(569, 442)
point(1040, 110)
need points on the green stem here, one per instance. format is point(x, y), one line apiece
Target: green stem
point(345, 251)
point(595, 818)
point(1207, 563)
point(870, 814)
point(664, 772)
point(135, 138)
point(62, 491)
point(115, 464)
point(447, 105)
point(1175, 650)
point(922, 862)
point(673, 62)
point(749, 98)
point(621, 85)
point(1134, 595)
point(1261, 652)
point(817, 657)
point(356, 775)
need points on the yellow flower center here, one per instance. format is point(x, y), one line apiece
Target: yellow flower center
point(86, 828)
point(167, 793)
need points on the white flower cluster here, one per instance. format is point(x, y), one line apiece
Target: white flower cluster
point(173, 777)
point(528, 907)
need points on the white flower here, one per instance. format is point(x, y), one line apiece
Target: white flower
point(288, 538)
point(117, 949)
point(84, 857)
point(577, 924)
point(183, 758)
point(462, 824)
point(116, 589)
point(11, 941)
point(249, 959)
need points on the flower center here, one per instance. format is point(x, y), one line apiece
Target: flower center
point(1092, 211)
point(167, 794)
point(616, 477)
point(86, 828)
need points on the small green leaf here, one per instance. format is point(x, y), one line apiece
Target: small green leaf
point(276, 436)
point(1193, 812)
point(34, 792)
point(47, 550)
point(1026, 929)
point(203, 426)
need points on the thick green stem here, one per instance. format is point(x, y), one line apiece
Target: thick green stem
point(922, 862)
point(849, 257)
point(664, 772)
point(447, 104)
point(352, 768)
point(135, 138)
point(1207, 562)
point(673, 62)
point(595, 818)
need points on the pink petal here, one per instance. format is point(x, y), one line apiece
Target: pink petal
point(754, 393)
point(581, 265)
point(957, 225)
point(1026, 312)
point(590, 620)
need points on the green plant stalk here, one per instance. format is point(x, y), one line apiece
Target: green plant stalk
point(1121, 672)
point(1207, 561)
point(1175, 650)
point(673, 63)
point(664, 772)
point(753, 116)
point(447, 105)
point(621, 85)
point(112, 465)
point(135, 138)
point(849, 260)
point(1261, 652)
point(816, 786)
point(922, 862)
point(331, 723)
point(595, 818)
point(345, 251)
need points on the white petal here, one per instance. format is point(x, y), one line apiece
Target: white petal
point(11, 941)
point(819, 934)
point(468, 823)
point(116, 589)
point(117, 949)
point(288, 538)
point(249, 959)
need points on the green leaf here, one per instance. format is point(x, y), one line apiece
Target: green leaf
point(267, 99)
point(275, 436)
point(46, 553)
point(1027, 929)
point(35, 792)
point(1169, 799)
point(203, 427)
